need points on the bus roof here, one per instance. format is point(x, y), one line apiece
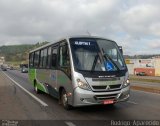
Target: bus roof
point(82, 36)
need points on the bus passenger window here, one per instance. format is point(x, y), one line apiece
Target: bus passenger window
point(45, 58)
point(31, 60)
point(64, 61)
point(54, 57)
point(41, 58)
point(64, 56)
point(49, 58)
point(36, 59)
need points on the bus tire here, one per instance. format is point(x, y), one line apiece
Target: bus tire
point(64, 100)
point(36, 89)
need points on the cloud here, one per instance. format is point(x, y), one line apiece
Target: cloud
point(141, 20)
point(131, 23)
point(154, 44)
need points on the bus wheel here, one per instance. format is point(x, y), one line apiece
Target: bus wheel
point(36, 89)
point(64, 100)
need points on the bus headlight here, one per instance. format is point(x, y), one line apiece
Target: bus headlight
point(83, 85)
point(126, 83)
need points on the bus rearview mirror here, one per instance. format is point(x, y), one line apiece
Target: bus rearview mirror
point(120, 49)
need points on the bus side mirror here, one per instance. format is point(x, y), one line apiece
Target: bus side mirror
point(54, 59)
point(120, 49)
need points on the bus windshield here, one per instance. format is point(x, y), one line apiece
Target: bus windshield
point(93, 54)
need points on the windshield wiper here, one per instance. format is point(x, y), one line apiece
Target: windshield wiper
point(94, 62)
point(106, 56)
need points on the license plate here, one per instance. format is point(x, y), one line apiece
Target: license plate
point(108, 102)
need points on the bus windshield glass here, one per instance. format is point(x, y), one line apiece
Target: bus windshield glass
point(93, 54)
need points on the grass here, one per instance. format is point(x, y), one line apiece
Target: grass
point(144, 80)
point(146, 89)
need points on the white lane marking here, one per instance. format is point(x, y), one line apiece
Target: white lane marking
point(70, 124)
point(132, 102)
point(33, 96)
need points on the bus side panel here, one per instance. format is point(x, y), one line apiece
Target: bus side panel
point(31, 74)
point(41, 87)
point(47, 80)
point(52, 88)
point(64, 81)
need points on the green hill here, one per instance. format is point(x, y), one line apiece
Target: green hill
point(18, 53)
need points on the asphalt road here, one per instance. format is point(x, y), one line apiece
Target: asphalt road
point(16, 104)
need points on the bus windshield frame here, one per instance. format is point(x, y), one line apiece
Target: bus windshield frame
point(96, 55)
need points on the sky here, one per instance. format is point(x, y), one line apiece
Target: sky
point(133, 24)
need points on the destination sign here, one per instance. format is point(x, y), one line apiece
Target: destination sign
point(82, 43)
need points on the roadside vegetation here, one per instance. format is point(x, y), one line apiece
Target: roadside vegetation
point(144, 80)
point(16, 54)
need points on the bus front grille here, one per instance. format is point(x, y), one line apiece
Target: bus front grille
point(115, 86)
point(107, 87)
point(105, 97)
point(99, 87)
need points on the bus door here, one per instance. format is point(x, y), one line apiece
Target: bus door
point(53, 71)
point(64, 67)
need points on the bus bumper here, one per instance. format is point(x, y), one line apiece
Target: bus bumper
point(84, 97)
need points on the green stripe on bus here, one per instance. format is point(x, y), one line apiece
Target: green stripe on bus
point(32, 77)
